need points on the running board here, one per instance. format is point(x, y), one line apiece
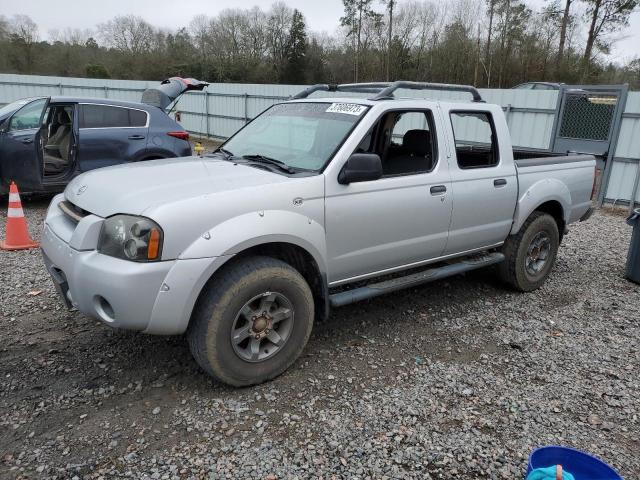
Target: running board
point(375, 289)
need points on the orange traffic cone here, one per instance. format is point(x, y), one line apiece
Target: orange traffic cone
point(17, 234)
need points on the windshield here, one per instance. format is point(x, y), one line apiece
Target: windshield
point(12, 107)
point(301, 135)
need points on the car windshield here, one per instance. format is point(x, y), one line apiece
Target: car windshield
point(12, 107)
point(300, 135)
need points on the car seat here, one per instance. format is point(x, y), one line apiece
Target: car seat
point(57, 147)
point(415, 154)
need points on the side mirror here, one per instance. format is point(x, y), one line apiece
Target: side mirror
point(361, 167)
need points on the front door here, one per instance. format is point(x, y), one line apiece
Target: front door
point(399, 219)
point(20, 149)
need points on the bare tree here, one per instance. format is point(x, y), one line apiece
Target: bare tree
point(279, 25)
point(4, 28)
point(71, 36)
point(566, 15)
point(605, 16)
point(390, 4)
point(487, 56)
point(23, 32)
point(127, 33)
point(489, 42)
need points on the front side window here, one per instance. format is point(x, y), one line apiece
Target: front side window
point(301, 135)
point(475, 139)
point(404, 141)
point(105, 116)
point(13, 106)
point(28, 116)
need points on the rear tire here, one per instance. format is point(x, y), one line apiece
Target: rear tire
point(531, 253)
point(252, 321)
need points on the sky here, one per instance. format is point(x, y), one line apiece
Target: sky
point(321, 15)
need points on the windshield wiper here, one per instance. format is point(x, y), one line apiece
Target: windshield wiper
point(270, 161)
point(227, 154)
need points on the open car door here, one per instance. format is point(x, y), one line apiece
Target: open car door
point(169, 90)
point(20, 149)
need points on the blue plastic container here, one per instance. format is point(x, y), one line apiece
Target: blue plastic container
point(581, 465)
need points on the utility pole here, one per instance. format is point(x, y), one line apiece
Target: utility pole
point(488, 56)
point(563, 35)
point(390, 36)
point(360, 7)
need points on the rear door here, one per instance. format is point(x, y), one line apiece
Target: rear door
point(110, 135)
point(484, 181)
point(20, 149)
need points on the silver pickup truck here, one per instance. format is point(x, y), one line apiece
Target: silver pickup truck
point(316, 203)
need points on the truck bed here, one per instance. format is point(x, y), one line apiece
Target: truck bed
point(575, 172)
point(524, 160)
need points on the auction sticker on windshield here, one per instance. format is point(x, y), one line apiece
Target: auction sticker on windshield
point(348, 108)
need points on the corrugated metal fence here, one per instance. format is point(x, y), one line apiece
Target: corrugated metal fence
point(623, 180)
point(223, 108)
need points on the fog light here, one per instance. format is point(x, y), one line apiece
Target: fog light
point(104, 309)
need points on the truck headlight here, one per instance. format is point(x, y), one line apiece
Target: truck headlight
point(131, 238)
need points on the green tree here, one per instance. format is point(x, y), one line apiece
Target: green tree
point(94, 70)
point(355, 11)
point(296, 50)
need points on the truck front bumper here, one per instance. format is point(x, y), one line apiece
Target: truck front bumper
point(154, 298)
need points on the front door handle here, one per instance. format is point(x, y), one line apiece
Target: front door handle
point(500, 182)
point(27, 140)
point(136, 137)
point(438, 189)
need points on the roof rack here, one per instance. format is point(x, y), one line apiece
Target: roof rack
point(385, 90)
point(345, 87)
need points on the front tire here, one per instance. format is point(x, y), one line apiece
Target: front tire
point(252, 321)
point(531, 253)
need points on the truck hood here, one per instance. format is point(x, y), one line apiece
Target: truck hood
point(133, 188)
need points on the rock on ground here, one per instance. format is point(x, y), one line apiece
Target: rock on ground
point(456, 379)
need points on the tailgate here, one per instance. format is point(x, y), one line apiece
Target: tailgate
point(169, 90)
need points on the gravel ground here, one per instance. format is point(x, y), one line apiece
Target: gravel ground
point(458, 379)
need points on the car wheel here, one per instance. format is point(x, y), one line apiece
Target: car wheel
point(531, 253)
point(252, 321)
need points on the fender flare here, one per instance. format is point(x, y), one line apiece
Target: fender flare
point(215, 247)
point(541, 192)
point(257, 228)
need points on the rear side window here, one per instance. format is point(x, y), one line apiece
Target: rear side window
point(475, 139)
point(105, 116)
point(137, 118)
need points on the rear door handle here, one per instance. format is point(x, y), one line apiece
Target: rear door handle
point(500, 182)
point(437, 189)
point(27, 140)
point(136, 137)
